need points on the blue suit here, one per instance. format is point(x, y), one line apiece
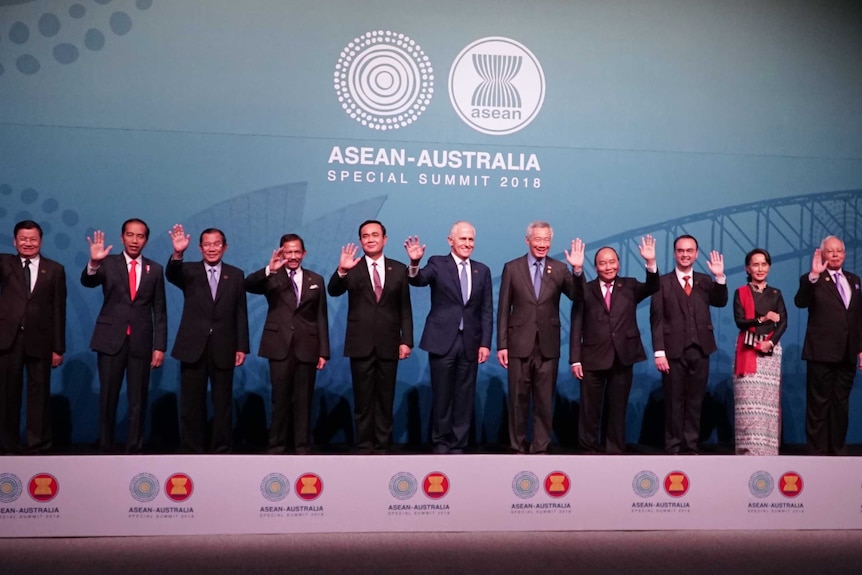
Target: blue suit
point(453, 351)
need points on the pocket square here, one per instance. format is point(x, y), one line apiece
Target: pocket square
point(313, 286)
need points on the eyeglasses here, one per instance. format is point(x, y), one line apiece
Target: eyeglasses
point(216, 245)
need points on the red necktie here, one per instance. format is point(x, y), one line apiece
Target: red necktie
point(608, 295)
point(687, 286)
point(133, 287)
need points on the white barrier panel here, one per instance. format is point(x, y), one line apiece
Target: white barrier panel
point(184, 495)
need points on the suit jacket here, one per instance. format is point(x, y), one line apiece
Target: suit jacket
point(834, 332)
point(146, 315)
point(447, 306)
point(303, 327)
point(375, 327)
point(521, 316)
point(222, 322)
point(669, 313)
point(43, 313)
point(598, 334)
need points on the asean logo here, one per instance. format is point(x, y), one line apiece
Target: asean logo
point(144, 487)
point(676, 484)
point(645, 484)
point(43, 487)
point(496, 86)
point(761, 484)
point(179, 487)
point(383, 80)
point(790, 484)
point(403, 485)
point(275, 487)
point(557, 484)
point(10, 487)
point(435, 485)
point(309, 486)
point(525, 484)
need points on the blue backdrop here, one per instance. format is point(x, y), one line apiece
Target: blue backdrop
point(735, 121)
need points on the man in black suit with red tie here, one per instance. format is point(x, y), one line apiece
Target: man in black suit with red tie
point(528, 333)
point(832, 347)
point(212, 338)
point(295, 339)
point(606, 343)
point(682, 338)
point(457, 333)
point(379, 332)
point(131, 331)
point(32, 338)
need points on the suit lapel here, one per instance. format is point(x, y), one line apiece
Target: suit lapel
point(595, 288)
point(455, 276)
point(525, 270)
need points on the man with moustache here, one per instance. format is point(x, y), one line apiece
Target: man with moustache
point(295, 340)
point(832, 347)
point(379, 331)
point(212, 338)
point(682, 338)
point(528, 333)
point(131, 331)
point(605, 344)
point(457, 333)
point(32, 338)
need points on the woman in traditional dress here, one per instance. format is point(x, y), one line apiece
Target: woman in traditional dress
point(762, 318)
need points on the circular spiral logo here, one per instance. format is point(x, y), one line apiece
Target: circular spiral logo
point(761, 484)
point(645, 484)
point(144, 487)
point(403, 485)
point(10, 487)
point(275, 487)
point(384, 80)
point(525, 484)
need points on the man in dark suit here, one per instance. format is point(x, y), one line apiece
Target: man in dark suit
point(379, 331)
point(212, 338)
point(295, 340)
point(32, 337)
point(131, 331)
point(682, 338)
point(605, 344)
point(528, 333)
point(457, 333)
point(833, 345)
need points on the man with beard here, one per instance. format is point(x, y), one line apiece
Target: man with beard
point(295, 339)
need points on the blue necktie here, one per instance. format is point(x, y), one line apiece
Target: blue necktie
point(465, 290)
point(292, 274)
point(537, 279)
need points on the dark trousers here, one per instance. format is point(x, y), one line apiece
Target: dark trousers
point(604, 399)
point(193, 404)
point(684, 388)
point(531, 378)
point(137, 373)
point(292, 391)
point(373, 398)
point(827, 405)
point(13, 363)
point(453, 387)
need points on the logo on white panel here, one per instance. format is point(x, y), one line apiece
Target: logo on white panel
point(384, 80)
point(497, 86)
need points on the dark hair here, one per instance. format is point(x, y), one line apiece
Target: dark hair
point(212, 231)
point(753, 253)
point(596, 257)
point(366, 222)
point(137, 221)
point(686, 237)
point(292, 238)
point(27, 225)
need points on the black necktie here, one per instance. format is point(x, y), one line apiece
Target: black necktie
point(27, 276)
